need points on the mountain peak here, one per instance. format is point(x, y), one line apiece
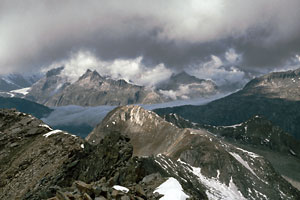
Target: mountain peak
point(281, 85)
point(55, 71)
point(92, 75)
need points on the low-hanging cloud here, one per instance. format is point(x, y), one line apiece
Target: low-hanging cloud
point(166, 34)
point(131, 70)
point(91, 116)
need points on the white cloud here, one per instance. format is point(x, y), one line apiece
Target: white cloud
point(232, 57)
point(214, 70)
point(35, 32)
point(188, 91)
point(131, 70)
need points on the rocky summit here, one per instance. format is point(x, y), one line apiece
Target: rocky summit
point(91, 89)
point(225, 171)
point(40, 163)
point(282, 85)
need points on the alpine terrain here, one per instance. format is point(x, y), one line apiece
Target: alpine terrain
point(274, 96)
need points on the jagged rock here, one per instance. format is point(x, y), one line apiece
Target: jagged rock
point(260, 136)
point(45, 163)
point(195, 154)
point(91, 89)
point(283, 85)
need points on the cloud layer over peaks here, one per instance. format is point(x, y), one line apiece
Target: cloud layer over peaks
point(261, 35)
point(131, 70)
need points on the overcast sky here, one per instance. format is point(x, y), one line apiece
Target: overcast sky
point(227, 41)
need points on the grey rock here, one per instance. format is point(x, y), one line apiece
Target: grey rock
point(91, 89)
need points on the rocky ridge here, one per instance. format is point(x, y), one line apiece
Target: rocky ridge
point(260, 136)
point(37, 162)
point(274, 96)
point(91, 89)
point(215, 163)
point(282, 85)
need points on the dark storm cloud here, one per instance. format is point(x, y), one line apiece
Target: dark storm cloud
point(34, 34)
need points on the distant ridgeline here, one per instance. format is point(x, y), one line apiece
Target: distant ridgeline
point(25, 106)
point(275, 96)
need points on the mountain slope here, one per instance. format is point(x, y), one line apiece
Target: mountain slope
point(16, 81)
point(91, 89)
point(260, 136)
point(185, 86)
point(47, 86)
point(210, 159)
point(282, 85)
point(25, 106)
point(37, 162)
point(278, 103)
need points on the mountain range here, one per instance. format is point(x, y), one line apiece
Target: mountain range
point(92, 89)
point(273, 96)
point(242, 146)
point(16, 81)
point(66, 166)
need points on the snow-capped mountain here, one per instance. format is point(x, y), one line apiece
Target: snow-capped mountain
point(16, 81)
point(16, 85)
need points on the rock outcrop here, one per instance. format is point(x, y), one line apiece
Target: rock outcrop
point(215, 163)
point(37, 162)
point(91, 89)
point(282, 85)
point(260, 136)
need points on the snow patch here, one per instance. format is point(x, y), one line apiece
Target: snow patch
point(121, 188)
point(172, 190)
point(267, 140)
point(52, 133)
point(216, 189)
point(23, 91)
point(46, 126)
point(243, 162)
point(57, 131)
point(251, 154)
point(292, 152)
point(233, 126)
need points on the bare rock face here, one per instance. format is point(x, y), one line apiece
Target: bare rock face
point(29, 158)
point(37, 162)
point(260, 136)
point(45, 88)
point(213, 162)
point(283, 85)
point(91, 89)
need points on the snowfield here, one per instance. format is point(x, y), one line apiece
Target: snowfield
point(172, 190)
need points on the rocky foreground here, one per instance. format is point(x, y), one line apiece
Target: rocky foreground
point(132, 154)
